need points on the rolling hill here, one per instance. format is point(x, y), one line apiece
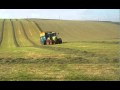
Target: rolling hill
point(25, 32)
point(68, 30)
point(22, 57)
point(81, 30)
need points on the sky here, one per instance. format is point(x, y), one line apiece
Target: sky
point(64, 14)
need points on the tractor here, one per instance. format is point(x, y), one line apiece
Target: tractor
point(49, 38)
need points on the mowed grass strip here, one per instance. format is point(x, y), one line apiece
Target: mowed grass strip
point(92, 52)
point(8, 41)
point(1, 27)
point(20, 35)
point(35, 32)
point(66, 53)
point(25, 33)
point(29, 32)
point(28, 55)
point(14, 35)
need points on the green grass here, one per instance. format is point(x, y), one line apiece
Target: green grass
point(1, 25)
point(37, 72)
point(90, 51)
point(8, 41)
point(22, 41)
point(81, 30)
point(0, 28)
point(31, 31)
point(60, 62)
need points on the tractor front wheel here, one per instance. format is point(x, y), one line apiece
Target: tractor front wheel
point(59, 40)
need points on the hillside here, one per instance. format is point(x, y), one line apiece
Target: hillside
point(89, 52)
point(26, 32)
point(81, 30)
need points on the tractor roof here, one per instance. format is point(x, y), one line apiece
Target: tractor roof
point(50, 32)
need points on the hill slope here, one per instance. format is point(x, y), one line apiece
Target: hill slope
point(23, 58)
point(81, 30)
point(25, 32)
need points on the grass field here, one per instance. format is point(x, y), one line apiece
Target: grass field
point(81, 30)
point(90, 51)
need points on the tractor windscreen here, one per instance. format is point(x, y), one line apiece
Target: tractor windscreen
point(50, 34)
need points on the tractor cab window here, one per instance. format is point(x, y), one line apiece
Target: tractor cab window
point(48, 35)
point(54, 34)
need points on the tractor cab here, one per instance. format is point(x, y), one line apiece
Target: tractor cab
point(50, 34)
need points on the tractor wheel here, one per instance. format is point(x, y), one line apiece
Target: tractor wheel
point(53, 42)
point(47, 42)
point(50, 42)
point(59, 41)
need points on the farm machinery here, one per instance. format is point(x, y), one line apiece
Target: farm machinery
point(49, 38)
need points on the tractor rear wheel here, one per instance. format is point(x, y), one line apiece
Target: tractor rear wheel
point(50, 42)
point(47, 42)
point(53, 42)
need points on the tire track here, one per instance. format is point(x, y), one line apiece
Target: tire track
point(1, 38)
point(35, 31)
point(34, 25)
point(40, 29)
point(19, 33)
point(27, 35)
point(23, 41)
point(8, 41)
point(14, 36)
point(29, 29)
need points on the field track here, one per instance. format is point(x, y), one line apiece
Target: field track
point(40, 29)
point(26, 34)
point(2, 30)
point(8, 39)
point(14, 36)
point(20, 35)
point(34, 31)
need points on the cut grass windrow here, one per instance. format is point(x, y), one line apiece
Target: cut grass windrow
point(14, 36)
point(1, 36)
point(82, 56)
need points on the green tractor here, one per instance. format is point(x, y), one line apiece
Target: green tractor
point(49, 38)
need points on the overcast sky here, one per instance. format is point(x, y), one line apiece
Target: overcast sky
point(66, 14)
